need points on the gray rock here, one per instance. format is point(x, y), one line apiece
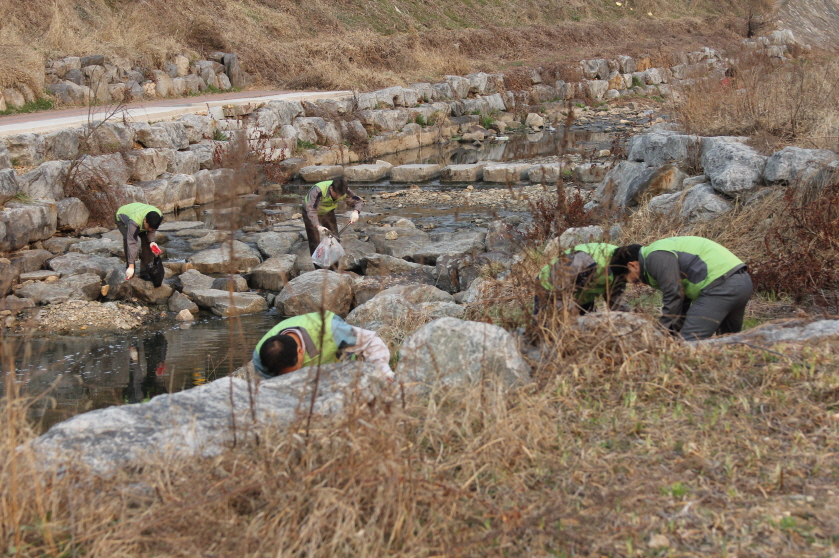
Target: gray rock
point(417, 293)
point(101, 170)
point(59, 244)
point(205, 187)
point(789, 163)
point(384, 310)
point(62, 145)
point(382, 264)
point(781, 331)
point(658, 148)
point(435, 310)
point(9, 275)
point(22, 223)
point(507, 173)
point(197, 127)
point(8, 185)
point(415, 173)
point(86, 286)
point(165, 135)
point(224, 303)
point(624, 183)
point(146, 164)
point(241, 259)
point(367, 173)
point(700, 202)
point(272, 244)
point(103, 137)
point(449, 351)
point(315, 291)
point(199, 421)
point(193, 280)
point(355, 252)
point(236, 283)
point(74, 263)
point(463, 173)
point(99, 246)
point(274, 273)
point(30, 260)
point(365, 288)
point(5, 158)
point(182, 162)
point(238, 77)
point(45, 182)
point(69, 92)
point(178, 302)
point(72, 213)
point(26, 150)
point(733, 168)
point(207, 240)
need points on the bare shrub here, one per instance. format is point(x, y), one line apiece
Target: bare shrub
point(794, 103)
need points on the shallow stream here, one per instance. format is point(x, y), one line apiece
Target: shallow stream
point(73, 374)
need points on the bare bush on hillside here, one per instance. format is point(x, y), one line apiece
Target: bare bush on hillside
point(794, 103)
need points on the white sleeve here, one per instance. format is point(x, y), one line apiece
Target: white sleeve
point(371, 347)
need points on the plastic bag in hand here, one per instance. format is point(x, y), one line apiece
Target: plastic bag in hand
point(328, 252)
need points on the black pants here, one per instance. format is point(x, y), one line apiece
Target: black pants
point(312, 234)
point(146, 255)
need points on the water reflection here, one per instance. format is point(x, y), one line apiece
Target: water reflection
point(83, 373)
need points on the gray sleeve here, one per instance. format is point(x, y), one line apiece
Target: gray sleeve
point(132, 238)
point(354, 200)
point(310, 205)
point(664, 268)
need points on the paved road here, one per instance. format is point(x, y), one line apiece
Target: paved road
point(165, 109)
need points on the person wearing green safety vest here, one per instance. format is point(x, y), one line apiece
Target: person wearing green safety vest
point(319, 208)
point(704, 287)
point(313, 339)
point(583, 270)
point(138, 223)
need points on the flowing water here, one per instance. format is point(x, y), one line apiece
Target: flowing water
point(73, 374)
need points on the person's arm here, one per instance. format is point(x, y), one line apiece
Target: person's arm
point(310, 205)
point(132, 238)
point(664, 268)
point(364, 343)
point(354, 200)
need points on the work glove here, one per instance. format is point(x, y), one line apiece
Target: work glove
point(155, 248)
point(323, 230)
point(353, 217)
point(129, 273)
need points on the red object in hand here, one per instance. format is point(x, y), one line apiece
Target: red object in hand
point(156, 250)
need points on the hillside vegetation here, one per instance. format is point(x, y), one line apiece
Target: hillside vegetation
point(359, 43)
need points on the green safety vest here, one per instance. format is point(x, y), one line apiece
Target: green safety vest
point(701, 261)
point(137, 212)
point(598, 283)
point(327, 202)
point(313, 323)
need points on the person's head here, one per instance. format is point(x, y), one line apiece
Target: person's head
point(339, 187)
point(624, 264)
point(153, 220)
point(281, 354)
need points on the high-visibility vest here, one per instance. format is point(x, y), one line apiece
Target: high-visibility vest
point(701, 261)
point(137, 213)
point(327, 202)
point(598, 282)
point(315, 325)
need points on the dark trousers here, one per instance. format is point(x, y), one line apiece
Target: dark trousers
point(720, 308)
point(146, 255)
point(312, 234)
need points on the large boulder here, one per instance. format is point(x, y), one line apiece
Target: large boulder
point(697, 203)
point(25, 150)
point(734, 168)
point(659, 147)
point(45, 182)
point(417, 293)
point(449, 351)
point(225, 303)
point(316, 291)
point(791, 162)
point(274, 273)
point(365, 288)
point(86, 286)
point(199, 421)
point(273, 244)
point(238, 257)
point(382, 264)
point(782, 331)
point(193, 280)
point(22, 223)
point(75, 263)
point(624, 184)
point(8, 185)
point(72, 213)
point(384, 310)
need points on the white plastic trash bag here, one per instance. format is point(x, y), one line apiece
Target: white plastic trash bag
point(328, 252)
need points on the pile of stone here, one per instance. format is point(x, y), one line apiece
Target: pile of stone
point(75, 80)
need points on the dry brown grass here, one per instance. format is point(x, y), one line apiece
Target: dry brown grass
point(359, 44)
point(794, 103)
point(723, 451)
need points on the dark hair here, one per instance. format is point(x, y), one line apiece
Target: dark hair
point(153, 219)
point(622, 256)
point(339, 186)
point(278, 353)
